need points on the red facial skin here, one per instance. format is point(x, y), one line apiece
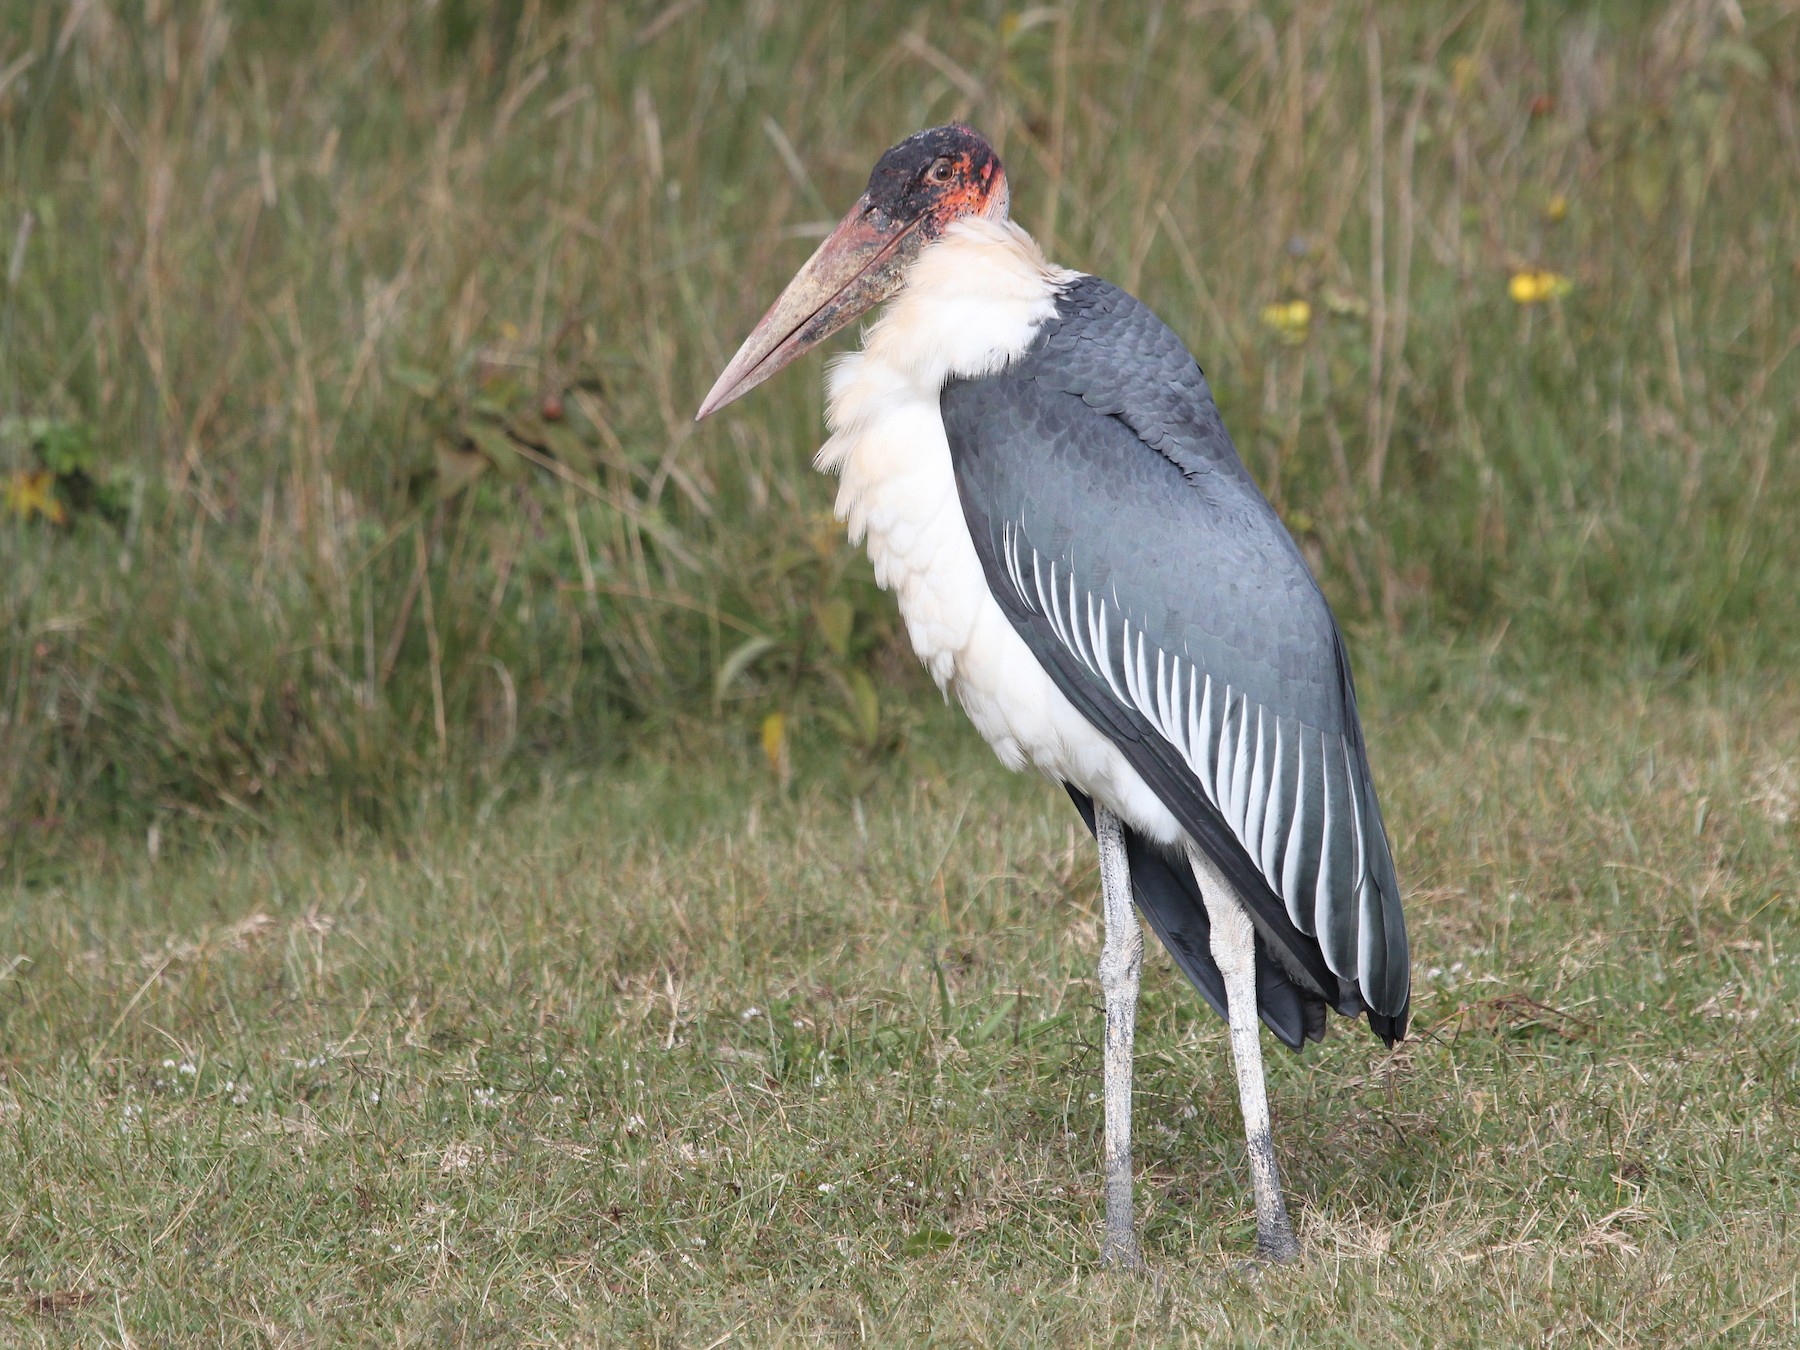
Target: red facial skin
point(971, 190)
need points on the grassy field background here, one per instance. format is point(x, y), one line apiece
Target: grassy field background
point(479, 864)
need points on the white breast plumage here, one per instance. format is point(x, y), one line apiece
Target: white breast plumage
point(972, 304)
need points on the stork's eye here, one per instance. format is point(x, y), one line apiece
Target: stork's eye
point(940, 171)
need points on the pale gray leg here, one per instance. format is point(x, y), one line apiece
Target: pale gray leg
point(1234, 949)
point(1121, 961)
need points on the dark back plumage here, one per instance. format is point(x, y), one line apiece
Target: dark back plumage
point(1134, 554)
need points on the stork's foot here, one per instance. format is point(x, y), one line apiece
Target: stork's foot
point(1121, 1252)
point(1277, 1248)
point(1119, 1248)
point(1271, 1254)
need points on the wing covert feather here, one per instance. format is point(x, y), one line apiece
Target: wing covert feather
point(1140, 563)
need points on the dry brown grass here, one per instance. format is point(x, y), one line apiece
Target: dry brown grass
point(292, 289)
point(669, 1057)
point(363, 747)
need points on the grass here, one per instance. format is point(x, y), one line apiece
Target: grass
point(292, 292)
point(389, 860)
point(668, 1057)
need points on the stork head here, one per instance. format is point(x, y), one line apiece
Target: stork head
point(917, 189)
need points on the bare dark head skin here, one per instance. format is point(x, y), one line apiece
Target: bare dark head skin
point(935, 177)
point(917, 190)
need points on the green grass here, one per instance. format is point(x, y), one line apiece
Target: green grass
point(384, 721)
point(666, 1056)
point(289, 289)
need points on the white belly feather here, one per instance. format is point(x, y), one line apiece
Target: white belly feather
point(973, 302)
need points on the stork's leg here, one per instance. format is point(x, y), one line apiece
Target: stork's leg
point(1234, 949)
point(1121, 960)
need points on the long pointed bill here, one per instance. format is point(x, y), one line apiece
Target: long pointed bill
point(854, 270)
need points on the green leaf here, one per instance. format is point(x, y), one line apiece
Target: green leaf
point(568, 447)
point(415, 381)
point(988, 1027)
point(865, 706)
point(497, 446)
point(66, 448)
point(836, 618)
point(456, 467)
point(742, 657)
point(927, 1241)
point(1049, 1024)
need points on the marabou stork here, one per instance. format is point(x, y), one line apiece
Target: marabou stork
point(1040, 474)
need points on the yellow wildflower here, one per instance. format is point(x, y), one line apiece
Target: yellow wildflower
point(29, 494)
point(775, 745)
point(1531, 288)
point(1289, 320)
point(1556, 208)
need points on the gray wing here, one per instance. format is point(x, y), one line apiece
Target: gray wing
point(1139, 561)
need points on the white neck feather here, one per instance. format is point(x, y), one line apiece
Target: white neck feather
point(972, 302)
